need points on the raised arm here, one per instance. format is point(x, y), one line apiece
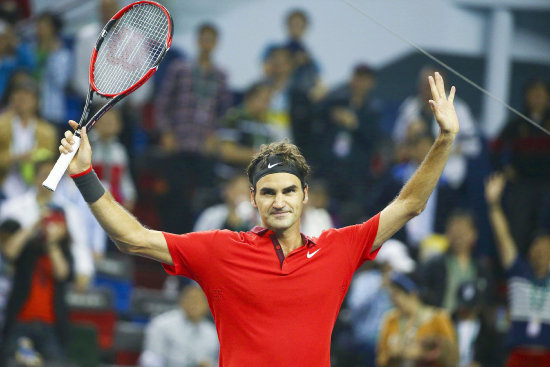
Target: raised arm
point(494, 186)
point(123, 228)
point(413, 197)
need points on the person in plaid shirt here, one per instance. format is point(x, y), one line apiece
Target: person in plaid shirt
point(192, 97)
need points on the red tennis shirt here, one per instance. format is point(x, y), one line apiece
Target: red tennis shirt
point(269, 310)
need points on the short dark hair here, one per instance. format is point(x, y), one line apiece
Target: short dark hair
point(55, 20)
point(462, 213)
point(22, 80)
point(287, 152)
point(10, 226)
point(363, 69)
point(297, 13)
point(207, 27)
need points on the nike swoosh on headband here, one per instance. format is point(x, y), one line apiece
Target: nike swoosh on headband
point(273, 165)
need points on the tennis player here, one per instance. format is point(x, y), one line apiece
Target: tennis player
point(274, 293)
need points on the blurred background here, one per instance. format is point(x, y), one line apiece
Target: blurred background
point(328, 76)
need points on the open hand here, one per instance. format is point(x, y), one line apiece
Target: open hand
point(442, 106)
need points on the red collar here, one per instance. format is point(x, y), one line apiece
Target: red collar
point(261, 231)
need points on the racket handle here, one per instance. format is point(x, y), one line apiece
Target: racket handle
point(61, 166)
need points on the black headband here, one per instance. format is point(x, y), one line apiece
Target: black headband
point(275, 164)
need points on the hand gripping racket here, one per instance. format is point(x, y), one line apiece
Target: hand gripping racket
point(126, 54)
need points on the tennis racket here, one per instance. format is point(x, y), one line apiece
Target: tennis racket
point(126, 54)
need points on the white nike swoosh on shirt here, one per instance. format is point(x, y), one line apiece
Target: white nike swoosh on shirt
point(272, 165)
point(313, 253)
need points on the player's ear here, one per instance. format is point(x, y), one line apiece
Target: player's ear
point(252, 197)
point(306, 197)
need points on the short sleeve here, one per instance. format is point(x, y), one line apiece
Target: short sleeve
point(191, 253)
point(358, 240)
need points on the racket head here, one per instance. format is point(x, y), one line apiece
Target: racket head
point(130, 48)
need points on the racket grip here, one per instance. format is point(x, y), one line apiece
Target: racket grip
point(61, 166)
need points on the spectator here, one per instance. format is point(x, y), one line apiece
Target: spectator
point(305, 87)
point(14, 10)
point(479, 343)
point(348, 124)
point(22, 134)
point(457, 266)
point(7, 229)
point(415, 334)
point(194, 96)
point(416, 108)
point(14, 56)
point(280, 64)
point(528, 340)
point(182, 337)
point(36, 307)
point(306, 70)
point(111, 161)
point(188, 107)
point(523, 153)
point(235, 213)
point(27, 208)
point(54, 69)
point(245, 128)
point(369, 297)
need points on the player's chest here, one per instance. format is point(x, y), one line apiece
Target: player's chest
point(307, 273)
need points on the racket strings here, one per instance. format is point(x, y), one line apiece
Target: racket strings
point(131, 48)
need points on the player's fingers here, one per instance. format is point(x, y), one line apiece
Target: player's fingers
point(452, 94)
point(66, 144)
point(63, 150)
point(440, 85)
point(432, 105)
point(69, 137)
point(73, 124)
point(84, 137)
point(433, 89)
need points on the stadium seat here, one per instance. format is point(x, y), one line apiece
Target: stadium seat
point(94, 307)
point(83, 348)
point(147, 303)
point(128, 343)
point(116, 272)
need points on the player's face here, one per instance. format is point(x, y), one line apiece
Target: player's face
point(280, 199)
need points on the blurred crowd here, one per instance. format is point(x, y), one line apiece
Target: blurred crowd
point(466, 283)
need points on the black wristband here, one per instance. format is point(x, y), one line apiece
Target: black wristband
point(90, 187)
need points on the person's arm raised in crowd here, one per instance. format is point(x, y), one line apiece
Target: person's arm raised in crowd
point(123, 228)
point(494, 187)
point(16, 242)
point(413, 197)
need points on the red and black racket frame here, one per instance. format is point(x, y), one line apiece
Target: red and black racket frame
point(115, 98)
